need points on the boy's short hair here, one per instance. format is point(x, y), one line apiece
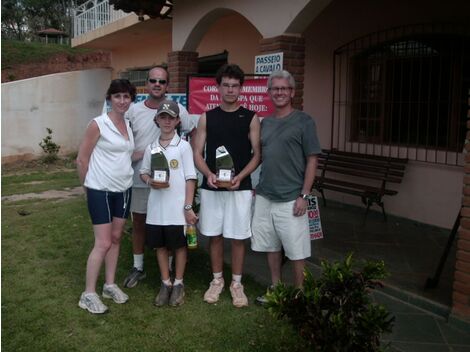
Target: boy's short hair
point(230, 71)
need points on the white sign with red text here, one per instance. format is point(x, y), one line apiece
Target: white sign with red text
point(314, 222)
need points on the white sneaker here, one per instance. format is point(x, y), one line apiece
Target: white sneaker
point(115, 293)
point(239, 298)
point(92, 303)
point(215, 289)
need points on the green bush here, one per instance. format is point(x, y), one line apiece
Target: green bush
point(335, 312)
point(50, 148)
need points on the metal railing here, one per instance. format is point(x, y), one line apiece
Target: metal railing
point(94, 14)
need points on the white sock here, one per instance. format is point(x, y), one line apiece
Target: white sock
point(217, 276)
point(167, 282)
point(178, 282)
point(139, 261)
point(237, 278)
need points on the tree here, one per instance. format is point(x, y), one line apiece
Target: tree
point(21, 19)
point(13, 19)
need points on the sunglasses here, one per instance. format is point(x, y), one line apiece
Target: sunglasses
point(160, 81)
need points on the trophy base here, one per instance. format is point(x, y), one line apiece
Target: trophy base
point(161, 184)
point(224, 184)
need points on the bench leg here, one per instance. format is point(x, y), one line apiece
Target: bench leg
point(367, 212)
point(368, 202)
point(323, 197)
point(383, 210)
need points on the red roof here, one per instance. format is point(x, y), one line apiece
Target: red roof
point(51, 32)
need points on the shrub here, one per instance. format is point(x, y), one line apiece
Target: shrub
point(335, 312)
point(49, 147)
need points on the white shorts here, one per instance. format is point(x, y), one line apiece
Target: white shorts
point(275, 226)
point(140, 197)
point(227, 213)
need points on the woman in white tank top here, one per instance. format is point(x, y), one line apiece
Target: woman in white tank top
point(104, 168)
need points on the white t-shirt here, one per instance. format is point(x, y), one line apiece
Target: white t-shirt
point(110, 167)
point(146, 131)
point(166, 206)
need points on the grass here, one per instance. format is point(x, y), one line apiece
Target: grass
point(16, 52)
point(43, 272)
point(39, 182)
point(34, 177)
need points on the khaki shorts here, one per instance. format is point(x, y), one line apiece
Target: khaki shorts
point(140, 197)
point(275, 226)
point(227, 213)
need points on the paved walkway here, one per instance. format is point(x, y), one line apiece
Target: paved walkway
point(416, 329)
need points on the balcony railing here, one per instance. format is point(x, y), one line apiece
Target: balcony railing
point(94, 14)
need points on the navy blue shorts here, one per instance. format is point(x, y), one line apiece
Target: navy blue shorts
point(169, 236)
point(103, 206)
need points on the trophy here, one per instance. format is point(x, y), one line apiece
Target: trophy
point(224, 167)
point(159, 168)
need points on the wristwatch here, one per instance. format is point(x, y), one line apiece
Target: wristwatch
point(303, 196)
point(188, 207)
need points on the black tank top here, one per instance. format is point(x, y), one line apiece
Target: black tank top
point(230, 129)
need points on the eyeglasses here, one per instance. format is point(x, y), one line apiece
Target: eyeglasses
point(160, 81)
point(280, 89)
point(228, 86)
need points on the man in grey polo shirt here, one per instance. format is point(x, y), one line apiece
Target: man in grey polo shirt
point(289, 146)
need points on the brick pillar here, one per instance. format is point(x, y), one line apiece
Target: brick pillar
point(461, 292)
point(180, 65)
point(294, 60)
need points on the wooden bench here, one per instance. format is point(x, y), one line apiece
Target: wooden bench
point(366, 176)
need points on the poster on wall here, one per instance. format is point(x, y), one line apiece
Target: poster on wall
point(203, 95)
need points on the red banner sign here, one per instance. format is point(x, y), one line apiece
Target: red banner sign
point(204, 95)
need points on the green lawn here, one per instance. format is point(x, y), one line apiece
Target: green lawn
point(16, 52)
point(43, 269)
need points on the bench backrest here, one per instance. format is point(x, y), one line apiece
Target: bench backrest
point(385, 169)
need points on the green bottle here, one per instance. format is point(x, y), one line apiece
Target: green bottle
point(191, 236)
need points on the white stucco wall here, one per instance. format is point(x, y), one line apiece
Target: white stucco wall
point(190, 22)
point(64, 102)
point(430, 193)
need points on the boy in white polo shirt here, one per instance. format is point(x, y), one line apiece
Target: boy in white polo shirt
point(169, 206)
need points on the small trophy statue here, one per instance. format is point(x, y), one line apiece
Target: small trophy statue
point(224, 167)
point(159, 166)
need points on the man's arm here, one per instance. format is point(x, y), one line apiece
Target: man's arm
point(300, 205)
point(188, 124)
point(199, 143)
point(310, 171)
point(254, 136)
point(137, 155)
point(129, 115)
